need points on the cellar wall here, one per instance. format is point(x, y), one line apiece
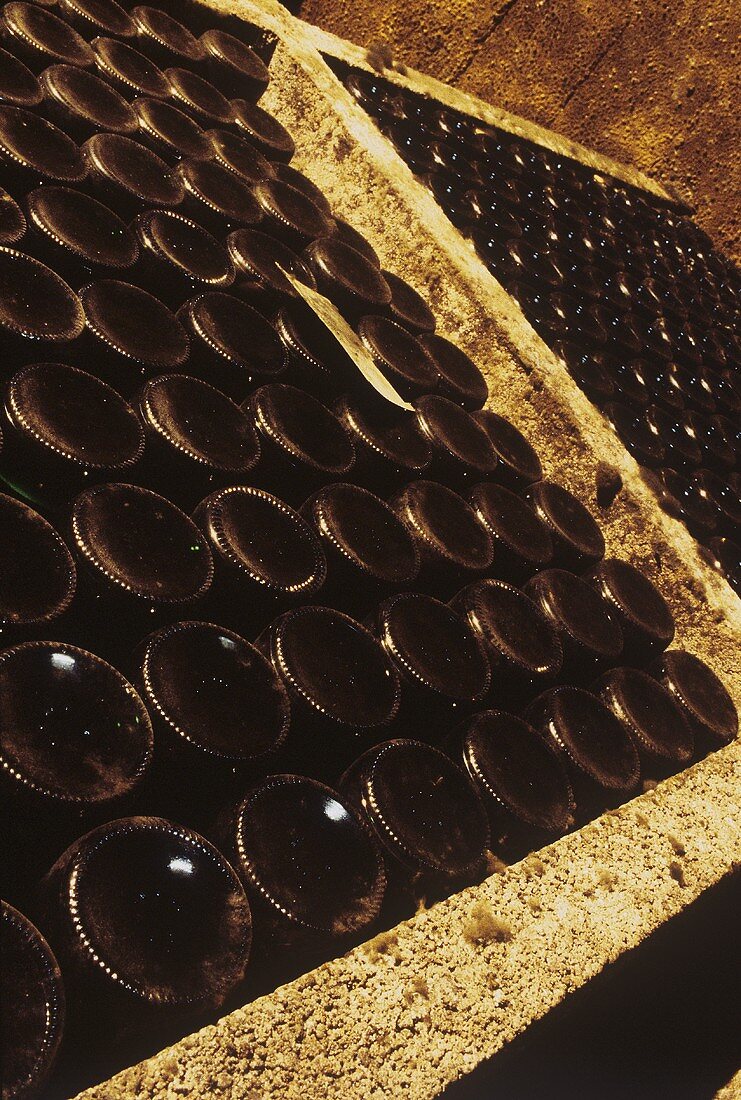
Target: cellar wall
point(652, 83)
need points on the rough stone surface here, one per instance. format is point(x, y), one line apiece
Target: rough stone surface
point(731, 1091)
point(652, 83)
point(422, 1005)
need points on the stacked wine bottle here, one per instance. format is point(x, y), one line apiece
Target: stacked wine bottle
point(280, 659)
point(625, 289)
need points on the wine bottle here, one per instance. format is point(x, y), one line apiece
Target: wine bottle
point(521, 643)
point(701, 695)
point(37, 572)
point(220, 712)
point(368, 549)
point(33, 1003)
point(427, 815)
point(65, 429)
point(234, 347)
point(589, 631)
point(453, 543)
point(312, 869)
point(267, 556)
point(601, 759)
point(75, 744)
point(520, 778)
point(343, 689)
point(303, 444)
point(198, 440)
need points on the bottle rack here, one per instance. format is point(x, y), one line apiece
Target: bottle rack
point(424, 1003)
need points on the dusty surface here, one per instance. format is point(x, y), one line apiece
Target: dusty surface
point(652, 83)
point(420, 1007)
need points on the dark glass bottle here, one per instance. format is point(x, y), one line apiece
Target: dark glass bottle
point(659, 729)
point(12, 221)
point(18, 85)
point(198, 440)
point(267, 556)
point(141, 560)
point(38, 310)
point(682, 499)
point(460, 379)
point(426, 813)
point(37, 572)
point(33, 1006)
point(263, 130)
point(164, 39)
point(590, 634)
point(343, 689)
point(289, 214)
point(179, 258)
point(462, 453)
point(96, 17)
point(236, 154)
point(522, 541)
point(681, 449)
point(316, 361)
point(128, 176)
point(725, 555)
point(701, 695)
point(715, 437)
point(347, 278)
point(453, 544)
point(644, 615)
point(132, 333)
point(217, 197)
point(78, 236)
point(234, 347)
point(75, 743)
point(303, 444)
point(600, 757)
point(65, 429)
point(198, 97)
point(82, 103)
point(312, 869)
point(168, 132)
point(369, 551)
point(723, 497)
point(258, 259)
point(350, 236)
point(34, 151)
point(220, 714)
point(439, 658)
point(287, 175)
point(389, 447)
point(518, 463)
point(631, 387)
point(520, 778)
point(233, 66)
point(40, 38)
point(577, 539)
point(129, 71)
point(152, 928)
point(399, 356)
point(521, 643)
point(587, 370)
point(410, 310)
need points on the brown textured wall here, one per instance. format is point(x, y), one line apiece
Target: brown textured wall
point(654, 83)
